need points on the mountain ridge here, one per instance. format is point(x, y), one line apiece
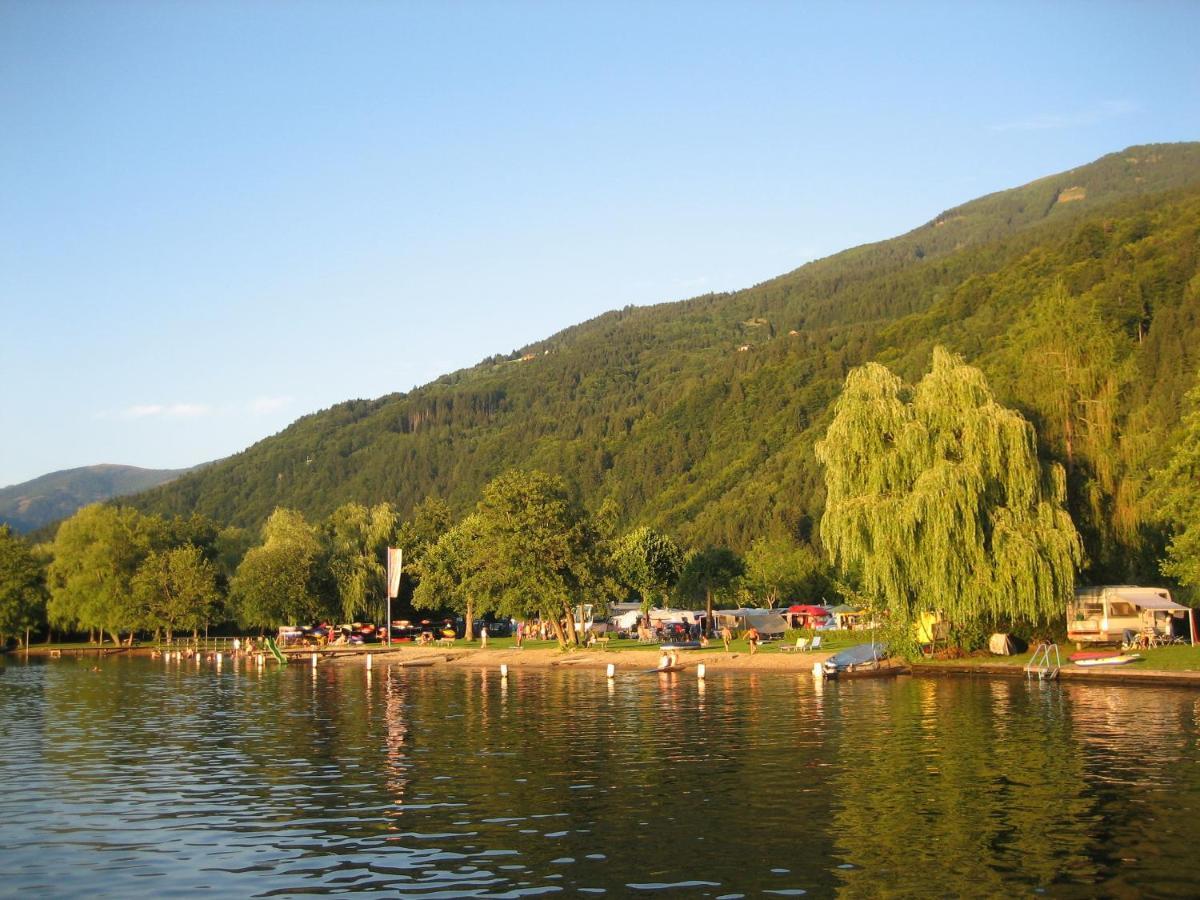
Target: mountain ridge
point(40, 501)
point(698, 415)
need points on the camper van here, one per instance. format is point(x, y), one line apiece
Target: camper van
point(1103, 615)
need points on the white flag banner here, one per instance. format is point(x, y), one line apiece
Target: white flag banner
point(395, 557)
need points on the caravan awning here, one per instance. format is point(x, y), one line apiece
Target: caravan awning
point(1147, 598)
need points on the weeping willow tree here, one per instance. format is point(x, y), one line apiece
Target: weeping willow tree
point(937, 502)
point(1176, 495)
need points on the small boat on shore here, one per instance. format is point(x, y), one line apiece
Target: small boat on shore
point(1103, 658)
point(857, 660)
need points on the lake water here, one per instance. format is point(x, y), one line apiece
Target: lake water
point(137, 778)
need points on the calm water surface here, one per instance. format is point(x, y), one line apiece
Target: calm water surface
point(145, 779)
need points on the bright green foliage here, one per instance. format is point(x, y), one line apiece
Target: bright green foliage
point(937, 501)
point(430, 520)
point(177, 590)
point(708, 574)
point(22, 586)
point(96, 554)
point(359, 537)
point(779, 569)
point(1177, 497)
point(454, 573)
point(280, 581)
point(647, 562)
point(537, 551)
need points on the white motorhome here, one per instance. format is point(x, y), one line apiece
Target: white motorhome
point(1103, 614)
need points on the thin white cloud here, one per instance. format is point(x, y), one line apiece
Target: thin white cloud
point(188, 410)
point(142, 410)
point(168, 410)
point(1111, 109)
point(263, 405)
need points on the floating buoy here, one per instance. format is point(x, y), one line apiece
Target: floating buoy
point(700, 672)
point(612, 670)
point(368, 660)
point(504, 670)
point(314, 660)
point(818, 671)
point(261, 660)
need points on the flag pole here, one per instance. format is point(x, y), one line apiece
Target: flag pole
point(395, 562)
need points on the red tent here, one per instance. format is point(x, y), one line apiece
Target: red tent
point(804, 609)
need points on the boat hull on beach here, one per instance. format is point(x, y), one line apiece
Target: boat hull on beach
point(858, 661)
point(1101, 658)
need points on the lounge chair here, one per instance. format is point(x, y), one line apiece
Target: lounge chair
point(800, 646)
point(815, 643)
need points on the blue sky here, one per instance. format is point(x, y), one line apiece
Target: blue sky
point(217, 217)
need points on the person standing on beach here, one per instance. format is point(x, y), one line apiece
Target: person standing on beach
point(752, 638)
point(726, 636)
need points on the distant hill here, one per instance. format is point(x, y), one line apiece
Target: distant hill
point(48, 498)
point(700, 416)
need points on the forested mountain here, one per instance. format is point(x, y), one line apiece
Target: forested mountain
point(1078, 295)
point(47, 498)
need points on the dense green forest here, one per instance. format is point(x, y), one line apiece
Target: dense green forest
point(1077, 295)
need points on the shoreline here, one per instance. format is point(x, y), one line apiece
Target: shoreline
point(715, 661)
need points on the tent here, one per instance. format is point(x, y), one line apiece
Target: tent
point(805, 615)
point(768, 621)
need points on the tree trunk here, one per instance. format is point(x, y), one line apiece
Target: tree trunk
point(556, 624)
point(26, 638)
point(572, 635)
point(708, 616)
point(469, 620)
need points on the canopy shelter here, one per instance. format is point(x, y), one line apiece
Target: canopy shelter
point(806, 615)
point(768, 621)
point(846, 615)
point(631, 618)
point(1157, 600)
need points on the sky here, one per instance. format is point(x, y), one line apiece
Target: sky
point(218, 217)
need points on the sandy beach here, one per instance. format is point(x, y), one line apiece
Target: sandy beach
point(767, 660)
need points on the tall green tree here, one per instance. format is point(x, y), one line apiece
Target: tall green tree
point(1176, 499)
point(96, 554)
point(708, 574)
point(22, 587)
point(778, 568)
point(937, 501)
point(359, 537)
point(176, 590)
point(281, 581)
point(454, 574)
point(648, 562)
point(431, 518)
point(540, 551)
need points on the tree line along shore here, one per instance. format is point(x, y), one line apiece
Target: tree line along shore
point(937, 501)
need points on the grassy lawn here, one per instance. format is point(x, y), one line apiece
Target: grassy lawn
point(1160, 659)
